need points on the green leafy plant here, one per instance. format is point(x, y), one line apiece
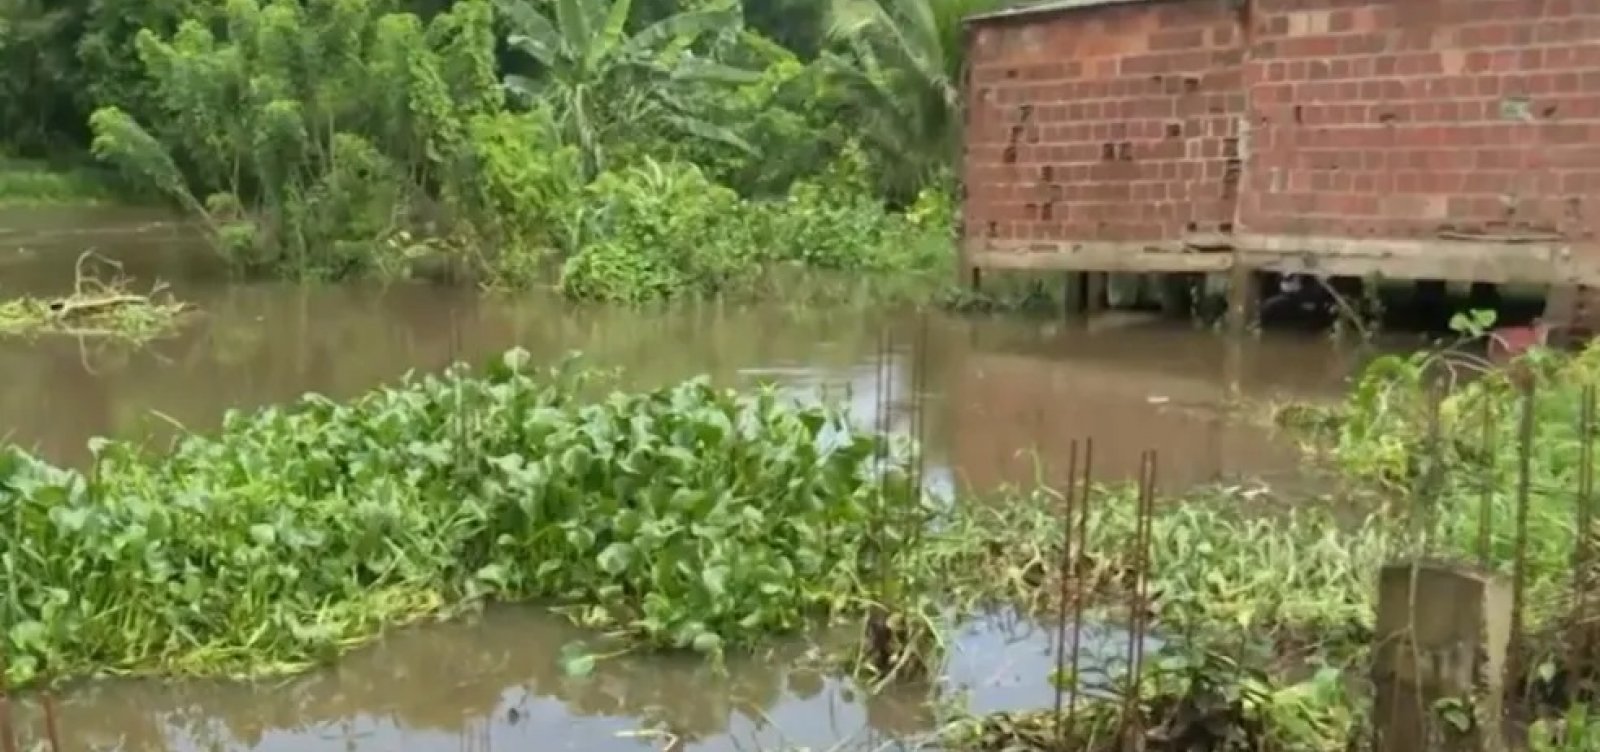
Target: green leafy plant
point(685, 517)
point(304, 136)
point(1189, 697)
point(900, 74)
point(658, 230)
point(1575, 731)
point(599, 78)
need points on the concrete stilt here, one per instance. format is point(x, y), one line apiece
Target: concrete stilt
point(1095, 293)
point(1074, 293)
point(1244, 300)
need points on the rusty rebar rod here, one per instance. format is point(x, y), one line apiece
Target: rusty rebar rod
point(1137, 616)
point(1490, 474)
point(52, 733)
point(1082, 549)
point(1519, 567)
point(919, 397)
point(1583, 554)
point(1065, 595)
point(8, 729)
point(1432, 475)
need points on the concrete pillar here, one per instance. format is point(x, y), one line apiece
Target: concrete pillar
point(1442, 635)
point(1175, 292)
point(1074, 293)
point(1244, 299)
point(1095, 293)
point(1124, 290)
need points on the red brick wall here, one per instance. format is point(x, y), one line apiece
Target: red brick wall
point(1365, 118)
point(1408, 118)
point(1116, 123)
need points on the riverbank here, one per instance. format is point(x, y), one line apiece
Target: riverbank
point(28, 183)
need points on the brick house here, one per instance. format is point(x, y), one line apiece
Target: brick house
point(1413, 139)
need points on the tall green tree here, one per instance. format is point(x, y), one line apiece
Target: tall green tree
point(307, 135)
point(900, 65)
point(799, 25)
point(42, 109)
point(599, 79)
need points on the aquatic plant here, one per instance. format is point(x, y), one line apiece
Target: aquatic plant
point(1303, 576)
point(686, 517)
point(1187, 699)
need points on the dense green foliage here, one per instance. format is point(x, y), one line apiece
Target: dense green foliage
point(686, 517)
point(636, 150)
point(1458, 488)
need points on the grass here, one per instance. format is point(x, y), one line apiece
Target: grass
point(25, 183)
point(97, 307)
point(1298, 588)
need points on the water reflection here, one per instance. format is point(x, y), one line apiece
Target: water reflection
point(995, 386)
point(496, 681)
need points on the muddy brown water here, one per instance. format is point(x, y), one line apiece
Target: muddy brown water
point(1004, 399)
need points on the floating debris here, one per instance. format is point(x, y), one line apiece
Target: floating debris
point(99, 306)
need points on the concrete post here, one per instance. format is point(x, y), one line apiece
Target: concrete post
point(1075, 293)
point(1442, 635)
point(1095, 294)
point(1174, 293)
point(1244, 299)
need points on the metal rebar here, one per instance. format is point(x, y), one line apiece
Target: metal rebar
point(1491, 466)
point(1519, 572)
point(8, 729)
point(1583, 553)
point(883, 426)
point(52, 733)
point(1061, 608)
point(1139, 621)
point(1082, 549)
point(1428, 484)
point(919, 418)
point(1133, 587)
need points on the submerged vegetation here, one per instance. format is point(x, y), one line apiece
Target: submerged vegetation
point(628, 150)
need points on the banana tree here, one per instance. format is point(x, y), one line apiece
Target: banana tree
point(899, 65)
point(596, 77)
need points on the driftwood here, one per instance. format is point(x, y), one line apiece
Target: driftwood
point(91, 310)
point(66, 308)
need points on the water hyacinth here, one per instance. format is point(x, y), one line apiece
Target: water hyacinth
point(686, 516)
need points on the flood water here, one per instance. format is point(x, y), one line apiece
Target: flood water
point(1003, 400)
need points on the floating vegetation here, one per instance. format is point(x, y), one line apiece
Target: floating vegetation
point(685, 517)
point(1188, 700)
point(98, 307)
point(1303, 575)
